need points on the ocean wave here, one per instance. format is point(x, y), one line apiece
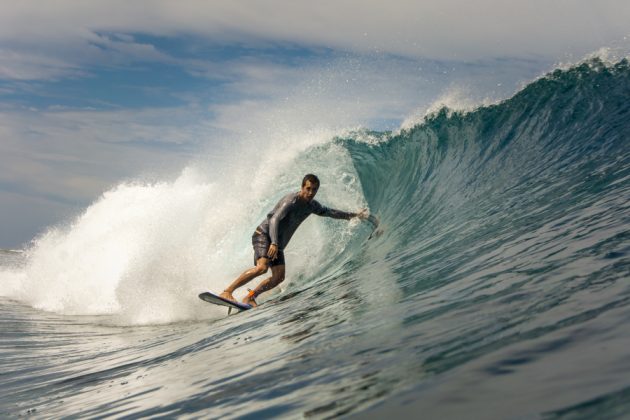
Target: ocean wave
point(500, 267)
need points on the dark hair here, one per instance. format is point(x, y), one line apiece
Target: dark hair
point(310, 177)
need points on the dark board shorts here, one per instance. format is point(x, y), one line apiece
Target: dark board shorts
point(261, 243)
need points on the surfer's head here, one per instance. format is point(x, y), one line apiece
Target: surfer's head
point(310, 185)
point(312, 178)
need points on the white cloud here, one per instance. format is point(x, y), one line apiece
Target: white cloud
point(31, 66)
point(73, 155)
point(445, 29)
point(42, 61)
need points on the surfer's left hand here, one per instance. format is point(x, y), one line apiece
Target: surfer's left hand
point(272, 253)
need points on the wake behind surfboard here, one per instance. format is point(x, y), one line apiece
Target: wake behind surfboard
point(218, 300)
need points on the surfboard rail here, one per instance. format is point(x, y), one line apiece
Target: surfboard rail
point(218, 300)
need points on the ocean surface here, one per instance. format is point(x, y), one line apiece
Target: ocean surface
point(496, 286)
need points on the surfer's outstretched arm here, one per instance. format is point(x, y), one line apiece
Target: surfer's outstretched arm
point(363, 214)
point(339, 214)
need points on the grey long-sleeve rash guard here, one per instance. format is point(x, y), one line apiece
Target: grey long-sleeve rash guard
point(282, 222)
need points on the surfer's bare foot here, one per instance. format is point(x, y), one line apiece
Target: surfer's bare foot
point(249, 300)
point(228, 296)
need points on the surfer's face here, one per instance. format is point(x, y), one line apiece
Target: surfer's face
point(308, 191)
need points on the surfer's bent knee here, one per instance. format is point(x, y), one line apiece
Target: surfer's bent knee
point(262, 266)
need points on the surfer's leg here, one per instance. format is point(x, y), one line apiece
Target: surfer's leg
point(262, 265)
point(277, 277)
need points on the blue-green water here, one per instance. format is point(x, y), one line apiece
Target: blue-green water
point(497, 285)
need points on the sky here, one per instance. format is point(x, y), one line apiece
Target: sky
point(93, 93)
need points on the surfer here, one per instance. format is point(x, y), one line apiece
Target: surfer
point(274, 233)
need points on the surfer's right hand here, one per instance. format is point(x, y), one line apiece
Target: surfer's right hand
point(273, 252)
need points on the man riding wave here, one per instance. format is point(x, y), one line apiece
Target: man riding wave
point(275, 232)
